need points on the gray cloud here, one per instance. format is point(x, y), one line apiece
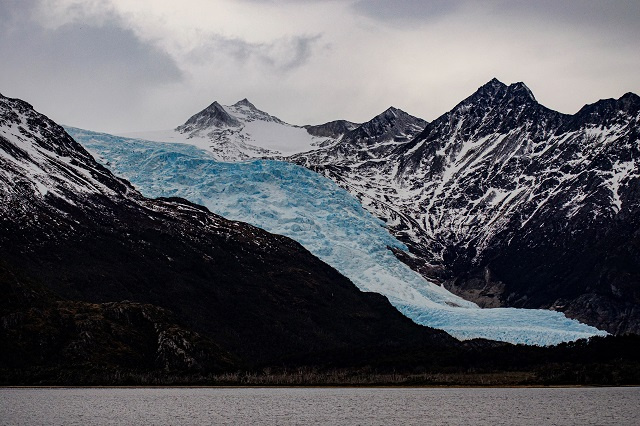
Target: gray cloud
point(618, 15)
point(283, 1)
point(80, 49)
point(593, 13)
point(107, 67)
point(406, 10)
point(283, 55)
point(13, 12)
point(77, 62)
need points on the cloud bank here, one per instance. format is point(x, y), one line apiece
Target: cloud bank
point(127, 65)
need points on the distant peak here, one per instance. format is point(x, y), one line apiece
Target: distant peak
point(214, 107)
point(496, 91)
point(391, 111)
point(490, 89)
point(245, 102)
point(629, 102)
point(212, 116)
point(494, 82)
point(630, 97)
point(393, 114)
point(521, 89)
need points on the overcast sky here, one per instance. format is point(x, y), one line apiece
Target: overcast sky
point(127, 65)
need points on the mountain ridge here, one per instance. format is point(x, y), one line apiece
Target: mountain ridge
point(478, 178)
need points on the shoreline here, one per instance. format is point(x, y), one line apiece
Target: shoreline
point(317, 387)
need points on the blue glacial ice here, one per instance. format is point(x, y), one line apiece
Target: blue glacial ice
point(290, 200)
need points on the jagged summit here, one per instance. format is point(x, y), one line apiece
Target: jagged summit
point(212, 116)
point(629, 102)
point(393, 123)
point(496, 92)
point(493, 108)
point(494, 82)
point(607, 112)
point(245, 103)
point(521, 90)
point(245, 111)
point(392, 110)
point(490, 89)
point(630, 97)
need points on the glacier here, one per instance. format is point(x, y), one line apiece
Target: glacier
point(287, 199)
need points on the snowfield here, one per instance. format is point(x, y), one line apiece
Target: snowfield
point(290, 200)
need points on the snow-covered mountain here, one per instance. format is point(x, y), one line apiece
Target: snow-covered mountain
point(509, 203)
point(287, 199)
point(241, 132)
point(40, 162)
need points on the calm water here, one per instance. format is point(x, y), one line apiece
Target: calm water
point(331, 406)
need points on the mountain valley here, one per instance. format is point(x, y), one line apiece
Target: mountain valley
point(515, 208)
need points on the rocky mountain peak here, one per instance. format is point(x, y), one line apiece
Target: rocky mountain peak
point(520, 92)
point(245, 103)
point(389, 124)
point(490, 89)
point(607, 112)
point(391, 111)
point(630, 98)
point(212, 116)
point(495, 108)
point(497, 93)
point(630, 103)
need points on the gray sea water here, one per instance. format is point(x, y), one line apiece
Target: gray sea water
point(319, 406)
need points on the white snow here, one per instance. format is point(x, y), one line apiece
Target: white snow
point(36, 168)
point(621, 170)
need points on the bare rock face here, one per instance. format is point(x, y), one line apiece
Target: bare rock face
point(212, 116)
point(333, 129)
point(509, 203)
